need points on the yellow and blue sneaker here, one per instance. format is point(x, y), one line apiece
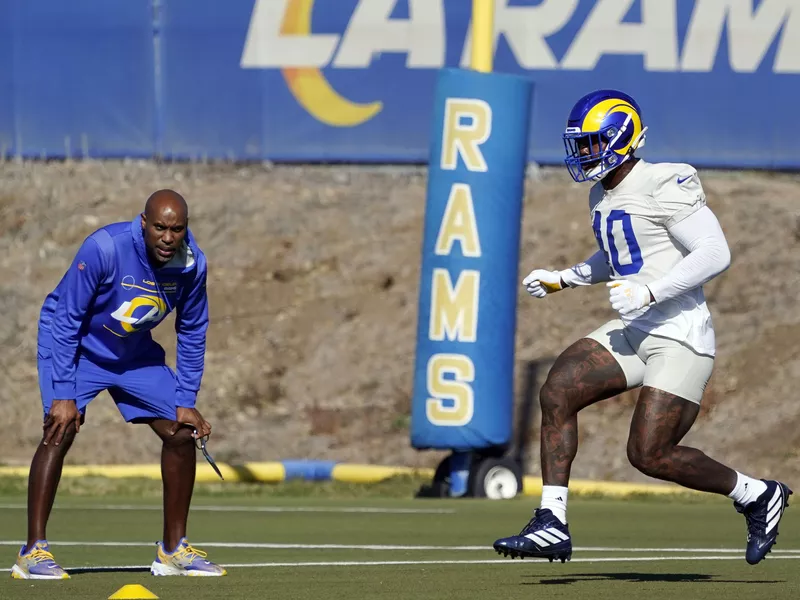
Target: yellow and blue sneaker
point(37, 563)
point(184, 560)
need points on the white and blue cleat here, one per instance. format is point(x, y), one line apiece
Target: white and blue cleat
point(763, 517)
point(545, 536)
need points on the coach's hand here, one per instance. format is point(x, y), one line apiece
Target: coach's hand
point(192, 417)
point(62, 413)
point(541, 282)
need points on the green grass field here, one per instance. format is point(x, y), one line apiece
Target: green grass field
point(332, 542)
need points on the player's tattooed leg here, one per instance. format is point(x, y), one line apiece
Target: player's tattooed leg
point(583, 374)
point(660, 421)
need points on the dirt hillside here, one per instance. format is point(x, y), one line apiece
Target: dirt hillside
point(313, 285)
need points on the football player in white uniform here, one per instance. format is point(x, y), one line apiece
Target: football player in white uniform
point(659, 243)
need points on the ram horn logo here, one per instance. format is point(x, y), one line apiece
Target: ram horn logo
point(308, 84)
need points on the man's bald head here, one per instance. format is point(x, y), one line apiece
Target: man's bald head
point(164, 223)
point(166, 200)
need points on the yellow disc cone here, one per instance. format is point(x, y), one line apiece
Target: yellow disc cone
point(132, 591)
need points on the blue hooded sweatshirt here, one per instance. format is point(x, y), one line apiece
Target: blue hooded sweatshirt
point(110, 298)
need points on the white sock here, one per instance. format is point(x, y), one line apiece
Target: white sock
point(747, 489)
point(554, 497)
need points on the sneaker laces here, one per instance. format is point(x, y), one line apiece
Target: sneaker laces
point(191, 553)
point(755, 524)
point(38, 555)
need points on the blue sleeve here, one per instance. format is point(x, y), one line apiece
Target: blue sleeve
point(191, 324)
point(78, 289)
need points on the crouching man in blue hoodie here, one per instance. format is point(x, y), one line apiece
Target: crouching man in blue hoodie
point(94, 335)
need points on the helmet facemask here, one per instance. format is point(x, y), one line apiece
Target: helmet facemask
point(607, 149)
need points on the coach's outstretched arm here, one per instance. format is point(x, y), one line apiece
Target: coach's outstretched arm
point(191, 325)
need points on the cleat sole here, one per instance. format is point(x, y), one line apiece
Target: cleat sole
point(514, 553)
point(161, 570)
point(18, 573)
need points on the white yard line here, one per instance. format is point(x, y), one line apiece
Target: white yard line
point(378, 563)
point(481, 562)
point(275, 546)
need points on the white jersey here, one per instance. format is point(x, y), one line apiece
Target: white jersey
point(631, 223)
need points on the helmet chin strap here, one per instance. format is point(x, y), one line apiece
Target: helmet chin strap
point(597, 172)
point(639, 141)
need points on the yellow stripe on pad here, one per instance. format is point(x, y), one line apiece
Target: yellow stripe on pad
point(532, 486)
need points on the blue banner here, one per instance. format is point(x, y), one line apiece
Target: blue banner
point(211, 107)
point(463, 382)
point(353, 80)
point(77, 78)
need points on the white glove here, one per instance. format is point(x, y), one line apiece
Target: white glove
point(627, 297)
point(541, 282)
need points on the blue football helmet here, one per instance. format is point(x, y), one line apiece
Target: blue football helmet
point(603, 130)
